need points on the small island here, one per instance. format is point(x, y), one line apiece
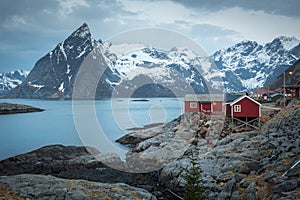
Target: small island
point(142, 100)
point(9, 108)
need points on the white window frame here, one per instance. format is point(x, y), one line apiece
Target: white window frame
point(237, 108)
point(193, 105)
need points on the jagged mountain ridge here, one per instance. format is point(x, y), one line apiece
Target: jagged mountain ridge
point(249, 65)
point(139, 70)
point(53, 76)
point(10, 80)
point(167, 73)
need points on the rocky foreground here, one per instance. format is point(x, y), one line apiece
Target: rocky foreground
point(8, 108)
point(263, 164)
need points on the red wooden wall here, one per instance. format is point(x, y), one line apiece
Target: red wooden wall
point(208, 108)
point(187, 107)
point(217, 106)
point(248, 108)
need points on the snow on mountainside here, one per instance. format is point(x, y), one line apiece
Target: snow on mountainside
point(143, 72)
point(11, 80)
point(140, 70)
point(170, 70)
point(289, 42)
point(249, 65)
point(53, 75)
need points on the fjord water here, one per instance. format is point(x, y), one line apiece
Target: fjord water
point(20, 133)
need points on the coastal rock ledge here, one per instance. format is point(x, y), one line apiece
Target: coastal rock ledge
point(9, 108)
point(33, 186)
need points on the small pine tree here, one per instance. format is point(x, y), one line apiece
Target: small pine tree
point(193, 189)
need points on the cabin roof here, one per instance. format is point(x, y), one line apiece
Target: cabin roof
point(232, 97)
point(291, 86)
point(242, 97)
point(204, 97)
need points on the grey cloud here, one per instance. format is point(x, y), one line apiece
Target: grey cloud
point(287, 7)
point(213, 37)
point(45, 27)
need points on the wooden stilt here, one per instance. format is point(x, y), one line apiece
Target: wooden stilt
point(245, 123)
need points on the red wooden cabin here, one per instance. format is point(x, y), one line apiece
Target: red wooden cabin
point(243, 106)
point(206, 103)
point(292, 90)
point(245, 110)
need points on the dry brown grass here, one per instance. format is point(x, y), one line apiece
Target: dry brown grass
point(264, 189)
point(265, 118)
point(9, 195)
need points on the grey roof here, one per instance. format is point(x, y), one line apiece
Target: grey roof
point(204, 97)
point(232, 97)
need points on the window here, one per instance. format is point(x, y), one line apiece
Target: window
point(237, 108)
point(193, 104)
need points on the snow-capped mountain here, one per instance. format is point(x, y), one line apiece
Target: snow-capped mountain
point(164, 73)
point(249, 65)
point(53, 75)
point(10, 80)
point(139, 70)
point(142, 72)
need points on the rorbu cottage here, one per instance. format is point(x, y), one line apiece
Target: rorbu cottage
point(205, 103)
point(244, 111)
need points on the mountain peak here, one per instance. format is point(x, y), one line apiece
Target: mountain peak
point(10, 80)
point(288, 42)
point(83, 31)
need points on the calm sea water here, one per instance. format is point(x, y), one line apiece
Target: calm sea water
point(20, 133)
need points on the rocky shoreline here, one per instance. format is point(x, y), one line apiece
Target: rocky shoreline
point(260, 164)
point(9, 108)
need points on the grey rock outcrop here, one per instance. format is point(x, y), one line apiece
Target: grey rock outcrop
point(262, 164)
point(30, 186)
point(72, 162)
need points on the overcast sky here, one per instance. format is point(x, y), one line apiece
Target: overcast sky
point(31, 28)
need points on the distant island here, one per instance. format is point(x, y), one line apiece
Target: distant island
point(9, 108)
point(139, 100)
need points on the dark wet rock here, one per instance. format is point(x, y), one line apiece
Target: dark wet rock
point(253, 165)
point(8, 108)
point(286, 186)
